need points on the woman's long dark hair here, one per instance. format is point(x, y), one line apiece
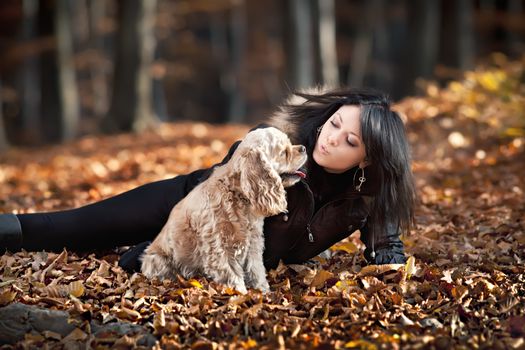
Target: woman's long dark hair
point(386, 144)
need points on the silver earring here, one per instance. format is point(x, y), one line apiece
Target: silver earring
point(362, 179)
point(319, 130)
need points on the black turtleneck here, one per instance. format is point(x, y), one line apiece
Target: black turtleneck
point(324, 185)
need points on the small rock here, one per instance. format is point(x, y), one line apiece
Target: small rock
point(405, 321)
point(430, 322)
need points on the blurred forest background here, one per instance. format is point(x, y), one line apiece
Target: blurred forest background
point(456, 68)
point(74, 67)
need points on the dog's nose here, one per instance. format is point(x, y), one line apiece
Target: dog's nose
point(302, 149)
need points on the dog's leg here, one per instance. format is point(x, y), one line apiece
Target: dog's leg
point(255, 271)
point(156, 265)
point(229, 272)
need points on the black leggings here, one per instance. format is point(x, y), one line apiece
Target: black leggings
point(129, 218)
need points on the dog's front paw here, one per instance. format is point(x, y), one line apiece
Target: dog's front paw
point(241, 288)
point(154, 265)
point(263, 286)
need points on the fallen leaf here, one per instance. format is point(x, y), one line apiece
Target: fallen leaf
point(374, 270)
point(7, 296)
point(195, 283)
point(75, 335)
point(345, 246)
point(360, 344)
point(410, 267)
point(320, 278)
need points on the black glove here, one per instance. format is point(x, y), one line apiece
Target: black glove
point(386, 248)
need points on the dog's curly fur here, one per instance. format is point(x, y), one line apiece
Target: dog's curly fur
point(217, 229)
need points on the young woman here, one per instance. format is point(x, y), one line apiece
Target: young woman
point(358, 178)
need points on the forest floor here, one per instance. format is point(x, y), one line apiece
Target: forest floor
point(462, 287)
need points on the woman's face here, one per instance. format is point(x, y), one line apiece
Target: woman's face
point(339, 146)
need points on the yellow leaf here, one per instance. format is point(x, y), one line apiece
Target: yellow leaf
point(361, 344)
point(516, 132)
point(195, 283)
point(76, 289)
point(492, 80)
point(455, 87)
point(250, 343)
point(320, 278)
point(348, 247)
point(410, 267)
point(344, 285)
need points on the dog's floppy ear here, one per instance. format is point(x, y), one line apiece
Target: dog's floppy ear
point(261, 184)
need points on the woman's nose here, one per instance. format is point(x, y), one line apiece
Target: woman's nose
point(332, 140)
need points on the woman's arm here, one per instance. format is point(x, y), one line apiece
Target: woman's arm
point(388, 248)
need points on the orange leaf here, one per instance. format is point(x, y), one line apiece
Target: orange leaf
point(320, 278)
point(347, 246)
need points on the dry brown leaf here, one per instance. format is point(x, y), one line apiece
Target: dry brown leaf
point(128, 314)
point(75, 288)
point(374, 270)
point(7, 296)
point(75, 335)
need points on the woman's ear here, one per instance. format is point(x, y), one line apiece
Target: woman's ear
point(262, 185)
point(364, 163)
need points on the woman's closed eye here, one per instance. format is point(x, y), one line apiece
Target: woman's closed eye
point(348, 142)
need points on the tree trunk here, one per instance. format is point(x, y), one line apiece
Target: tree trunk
point(513, 41)
point(29, 78)
point(98, 74)
point(381, 71)
point(50, 120)
point(238, 27)
point(421, 53)
point(429, 37)
point(362, 48)
point(4, 145)
point(302, 48)
point(465, 24)
point(131, 103)
point(67, 87)
point(327, 42)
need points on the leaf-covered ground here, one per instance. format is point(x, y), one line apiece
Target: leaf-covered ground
point(462, 287)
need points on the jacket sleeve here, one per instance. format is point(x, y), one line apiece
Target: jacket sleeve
point(388, 248)
point(304, 250)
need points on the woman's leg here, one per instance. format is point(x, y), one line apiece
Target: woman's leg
point(128, 218)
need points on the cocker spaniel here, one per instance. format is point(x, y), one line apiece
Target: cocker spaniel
point(217, 229)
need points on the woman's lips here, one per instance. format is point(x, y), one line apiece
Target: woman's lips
point(323, 149)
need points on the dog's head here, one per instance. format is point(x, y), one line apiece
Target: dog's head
point(268, 163)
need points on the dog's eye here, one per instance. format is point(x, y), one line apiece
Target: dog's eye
point(284, 153)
